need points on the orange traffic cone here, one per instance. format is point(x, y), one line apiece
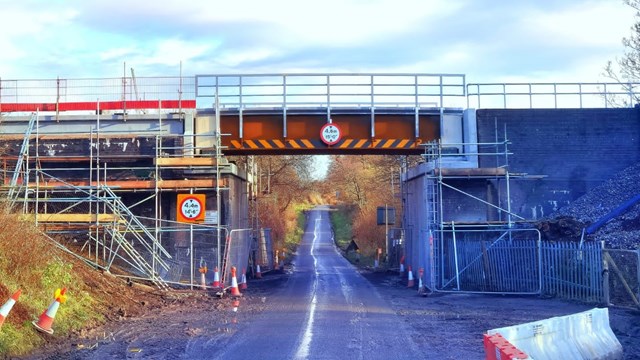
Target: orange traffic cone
point(402, 265)
point(203, 277)
point(258, 273)
point(410, 278)
point(421, 288)
point(243, 280)
point(4, 310)
point(46, 319)
point(216, 278)
point(234, 283)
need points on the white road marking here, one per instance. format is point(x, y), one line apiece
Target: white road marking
point(303, 349)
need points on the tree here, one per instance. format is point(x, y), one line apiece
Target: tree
point(627, 73)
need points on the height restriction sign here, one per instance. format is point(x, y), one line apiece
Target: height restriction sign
point(191, 208)
point(330, 134)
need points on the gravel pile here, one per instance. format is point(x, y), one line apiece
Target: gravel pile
point(621, 232)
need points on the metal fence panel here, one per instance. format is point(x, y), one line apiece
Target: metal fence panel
point(489, 261)
point(572, 271)
point(264, 253)
point(239, 247)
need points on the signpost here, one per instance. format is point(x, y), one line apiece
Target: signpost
point(330, 134)
point(191, 208)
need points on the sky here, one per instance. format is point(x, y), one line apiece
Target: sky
point(487, 40)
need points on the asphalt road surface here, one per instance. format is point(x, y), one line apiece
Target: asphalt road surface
point(326, 310)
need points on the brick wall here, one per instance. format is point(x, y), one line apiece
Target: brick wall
point(575, 149)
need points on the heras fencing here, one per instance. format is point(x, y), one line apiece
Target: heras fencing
point(518, 262)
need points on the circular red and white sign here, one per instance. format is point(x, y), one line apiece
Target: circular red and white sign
point(330, 134)
point(191, 208)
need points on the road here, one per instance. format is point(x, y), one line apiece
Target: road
point(326, 310)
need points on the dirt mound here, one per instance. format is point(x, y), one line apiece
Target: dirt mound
point(623, 231)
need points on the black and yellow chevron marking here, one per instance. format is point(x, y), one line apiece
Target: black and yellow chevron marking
point(317, 144)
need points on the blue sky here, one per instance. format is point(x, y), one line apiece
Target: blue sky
point(488, 40)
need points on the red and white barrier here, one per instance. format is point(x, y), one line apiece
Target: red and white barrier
point(585, 335)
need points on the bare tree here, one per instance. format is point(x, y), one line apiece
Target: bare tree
point(627, 71)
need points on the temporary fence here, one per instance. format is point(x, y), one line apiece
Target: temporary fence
point(572, 270)
point(238, 248)
point(264, 250)
point(516, 261)
point(489, 261)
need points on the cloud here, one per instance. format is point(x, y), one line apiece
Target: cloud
point(485, 39)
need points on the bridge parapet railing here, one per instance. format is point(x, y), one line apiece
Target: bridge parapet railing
point(331, 90)
point(552, 95)
point(25, 95)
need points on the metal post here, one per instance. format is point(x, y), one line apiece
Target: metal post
point(218, 200)
point(605, 279)
point(284, 105)
point(386, 231)
point(638, 277)
point(455, 254)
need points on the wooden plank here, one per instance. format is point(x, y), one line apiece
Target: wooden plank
point(614, 266)
point(185, 161)
point(471, 171)
point(74, 218)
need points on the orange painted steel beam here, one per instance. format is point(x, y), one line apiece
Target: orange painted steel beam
point(103, 105)
point(267, 132)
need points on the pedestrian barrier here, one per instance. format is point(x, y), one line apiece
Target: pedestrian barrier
point(584, 335)
point(45, 321)
point(4, 310)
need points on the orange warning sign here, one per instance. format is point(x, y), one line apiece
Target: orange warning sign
point(191, 208)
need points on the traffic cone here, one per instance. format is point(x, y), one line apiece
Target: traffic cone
point(235, 305)
point(410, 278)
point(203, 277)
point(216, 278)
point(234, 283)
point(4, 310)
point(402, 265)
point(46, 319)
point(258, 273)
point(420, 285)
point(243, 280)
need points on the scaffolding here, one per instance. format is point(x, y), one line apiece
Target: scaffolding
point(78, 198)
point(460, 250)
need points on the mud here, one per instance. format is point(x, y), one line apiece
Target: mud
point(445, 326)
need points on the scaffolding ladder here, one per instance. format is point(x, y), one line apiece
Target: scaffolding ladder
point(14, 187)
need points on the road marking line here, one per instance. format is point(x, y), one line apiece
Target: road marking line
point(303, 349)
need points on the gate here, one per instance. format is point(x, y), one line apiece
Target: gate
point(502, 261)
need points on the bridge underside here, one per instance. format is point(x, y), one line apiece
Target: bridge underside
point(297, 131)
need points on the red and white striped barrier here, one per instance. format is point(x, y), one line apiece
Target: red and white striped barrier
point(585, 335)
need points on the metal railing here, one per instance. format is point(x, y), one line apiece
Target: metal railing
point(60, 91)
point(331, 90)
point(551, 95)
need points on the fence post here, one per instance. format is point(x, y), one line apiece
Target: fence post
point(605, 280)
